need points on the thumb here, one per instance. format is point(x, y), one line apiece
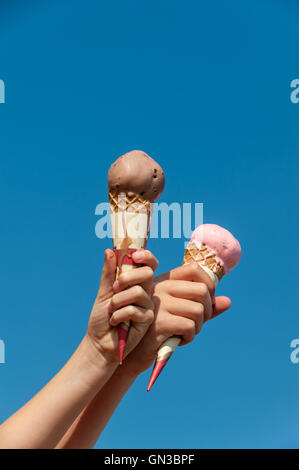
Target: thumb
point(108, 276)
point(221, 305)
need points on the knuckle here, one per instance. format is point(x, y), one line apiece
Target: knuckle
point(114, 317)
point(137, 292)
point(150, 315)
point(211, 287)
point(198, 309)
point(148, 272)
point(113, 301)
point(189, 328)
point(131, 310)
point(150, 304)
point(122, 279)
point(194, 268)
point(203, 289)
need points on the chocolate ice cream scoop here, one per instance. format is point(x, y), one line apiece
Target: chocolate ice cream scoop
point(136, 172)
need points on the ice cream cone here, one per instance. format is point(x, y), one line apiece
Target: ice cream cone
point(130, 220)
point(164, 354)
point(135, 181)
point(212, 264)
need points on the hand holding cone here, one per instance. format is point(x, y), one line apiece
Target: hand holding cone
point(135, 181)
point(217, 251)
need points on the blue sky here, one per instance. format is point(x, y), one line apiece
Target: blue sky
point(203, 87)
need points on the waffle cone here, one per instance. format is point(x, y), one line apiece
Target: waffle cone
point(120, 201)
point(204, 257)
point(130, 219)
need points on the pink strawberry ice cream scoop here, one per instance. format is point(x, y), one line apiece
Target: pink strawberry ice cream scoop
point(221, 242)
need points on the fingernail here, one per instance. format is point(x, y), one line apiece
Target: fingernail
point(116, 286)
point(138, 256)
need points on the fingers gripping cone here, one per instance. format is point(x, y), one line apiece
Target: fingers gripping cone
point(168, 347)
point(216, 251)
point(130, 221)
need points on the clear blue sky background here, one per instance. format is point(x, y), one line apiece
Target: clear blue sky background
point(203, 87)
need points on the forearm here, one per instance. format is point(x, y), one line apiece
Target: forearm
point(87, 428)
point(43, 421)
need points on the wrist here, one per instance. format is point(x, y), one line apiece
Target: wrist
point(102, 349)
point(124, 377)
point(94, 360)
point(131, 368)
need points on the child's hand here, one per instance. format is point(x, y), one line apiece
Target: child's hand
point(183, 302)
point(128, 298)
